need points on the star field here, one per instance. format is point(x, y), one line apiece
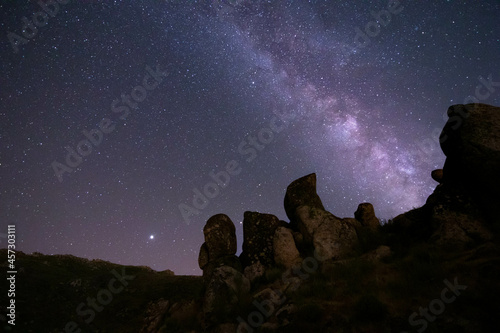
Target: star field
point(173, 111)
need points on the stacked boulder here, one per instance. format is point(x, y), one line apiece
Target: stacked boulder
point(365, 214)
point(462, 208)
point(471, 142)
point(258, 233)
point(331, 237)
point(269, 243)
point(286, 254)
point(225, 284)
point(219, 248)
point(301, 192)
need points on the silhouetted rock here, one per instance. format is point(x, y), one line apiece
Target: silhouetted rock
point(203, 257)
point(258, 234)
point(229, 261)
point(462, 206)
point(437, 175)
point(331, 237)
point(286, 254)
point(226, 288)
point(301, 192)
point(220, 236)
point(220, 246)
point(457, 228)
point(471, 142)
point(365, 214)
point(456, 217)
point(353, 223)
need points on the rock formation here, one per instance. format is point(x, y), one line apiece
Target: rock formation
point(224, 291)
point(462, 208)
point(203, 258)
point(222, 272)
point(437, 175)
point(458, 214)
point(471, 142)
point(258, 234)
point(331, 237)
point(316, 273)
point(366, 215)
point(301, 192)
point(220, 236)
point(219, 248)
point(285, 251)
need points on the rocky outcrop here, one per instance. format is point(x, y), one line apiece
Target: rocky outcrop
point(229, 261)
point(453, 217)
point(203, 257)
point(365, 214)
point(301, 192)
point(286, 254)
point(226, 289)
point(331, 237)
point(219, 248)
point(289, 286)
point(258, 234)
point(462, 208)
point(457, 229)
point(220, 236)
point(222, 272)
point(437, 175)
point(471, 142)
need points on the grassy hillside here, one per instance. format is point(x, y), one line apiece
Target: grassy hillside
point(49, 290)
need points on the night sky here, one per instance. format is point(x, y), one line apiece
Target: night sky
point(160, 97)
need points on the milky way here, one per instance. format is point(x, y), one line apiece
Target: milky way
point(175, 111)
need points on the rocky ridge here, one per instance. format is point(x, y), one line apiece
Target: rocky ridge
point(458, 215)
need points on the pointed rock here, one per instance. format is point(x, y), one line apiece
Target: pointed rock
point(301, 192)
